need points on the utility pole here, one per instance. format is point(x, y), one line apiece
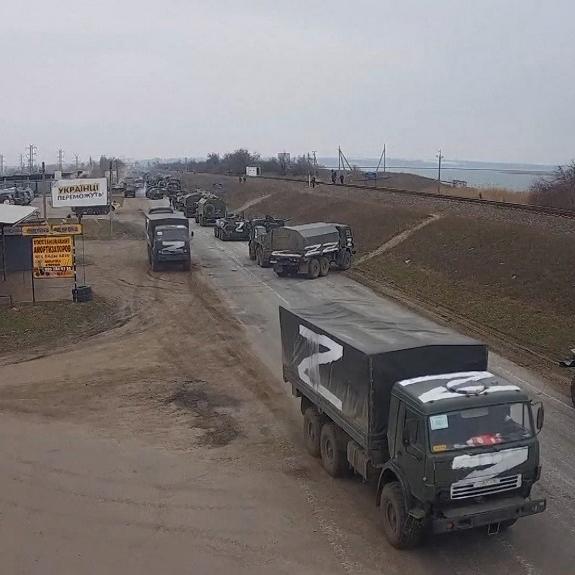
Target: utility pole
point(76, 157)
point(32, 151)
point(60, 159)
point(110, 197)
point(439, 158)
point(44, 209)
point(384, 158)
point(314, 163)
point(1, 164)
point(21, 163)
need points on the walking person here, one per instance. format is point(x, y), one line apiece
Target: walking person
point(341, 179)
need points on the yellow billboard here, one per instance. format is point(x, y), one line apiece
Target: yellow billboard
point(53, 256)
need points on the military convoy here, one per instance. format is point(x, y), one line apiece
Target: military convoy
point(410, 404)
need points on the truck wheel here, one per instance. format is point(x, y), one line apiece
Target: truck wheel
point(260, 259)
point(345, 260)
point(323, 266)
point(312, 431)
point(401, 530)
point(333, 458)
point(313, 269)
point(187, 265)
point(155, 266)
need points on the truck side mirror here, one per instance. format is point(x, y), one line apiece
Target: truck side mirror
point(540, 417)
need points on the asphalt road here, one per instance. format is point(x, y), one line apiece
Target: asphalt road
point(538, 544)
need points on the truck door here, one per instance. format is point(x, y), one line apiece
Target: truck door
point(410, 448)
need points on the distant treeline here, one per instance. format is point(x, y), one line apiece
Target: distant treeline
point(235, 164)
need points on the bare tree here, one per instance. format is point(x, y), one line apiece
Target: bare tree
point(557, 191)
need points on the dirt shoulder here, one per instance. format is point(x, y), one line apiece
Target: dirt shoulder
point(501, 275)
point(47, 325)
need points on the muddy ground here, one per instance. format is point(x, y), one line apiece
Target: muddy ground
point(162, 445)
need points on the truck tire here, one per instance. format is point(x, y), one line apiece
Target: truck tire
point(323, 266)
point(187, 265)
point(345, 260)
point(260, 259)
point(155, 265)
point(401, 530)
point(313, 269)
point(312, 431)
point(333, 457)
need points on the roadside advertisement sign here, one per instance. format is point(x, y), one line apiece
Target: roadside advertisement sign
point(80, 193)
point(51, 229)
point(253, 171)
point(36, 230)
point(53, 256)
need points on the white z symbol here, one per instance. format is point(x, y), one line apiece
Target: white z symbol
point(308, 369)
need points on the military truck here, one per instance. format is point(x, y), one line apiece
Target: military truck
point(168, 239)
point(396, 398)
point(209, 209)
point(232, 227)
point(311, 249)
point(259, 243)
point(188, 203)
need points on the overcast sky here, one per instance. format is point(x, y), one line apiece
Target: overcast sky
point(481, 79)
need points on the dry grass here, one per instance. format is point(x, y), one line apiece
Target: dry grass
point(491, 194)
point(28, 326)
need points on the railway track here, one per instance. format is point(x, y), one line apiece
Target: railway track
point(568, 214)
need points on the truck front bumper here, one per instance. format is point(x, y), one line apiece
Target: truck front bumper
point(490, 513)
point(177, 257)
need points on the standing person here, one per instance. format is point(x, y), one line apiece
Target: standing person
point(341, 178)
point(333, 176)
point(313, 181)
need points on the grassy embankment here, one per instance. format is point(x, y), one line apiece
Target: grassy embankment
point(509, 278)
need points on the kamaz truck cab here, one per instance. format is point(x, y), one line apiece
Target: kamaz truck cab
point(463, 453)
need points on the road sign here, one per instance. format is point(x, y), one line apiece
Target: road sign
point(36, 230)
point(66, 229)
point(51, 229)
point(53, 256)
point(81, 192)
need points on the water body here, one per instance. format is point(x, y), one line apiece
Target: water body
point(476, 174)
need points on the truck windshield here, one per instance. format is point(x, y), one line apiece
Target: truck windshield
point(175, 232)
point(479, 427)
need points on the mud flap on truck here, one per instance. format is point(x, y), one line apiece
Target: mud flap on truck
point(483, 515)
